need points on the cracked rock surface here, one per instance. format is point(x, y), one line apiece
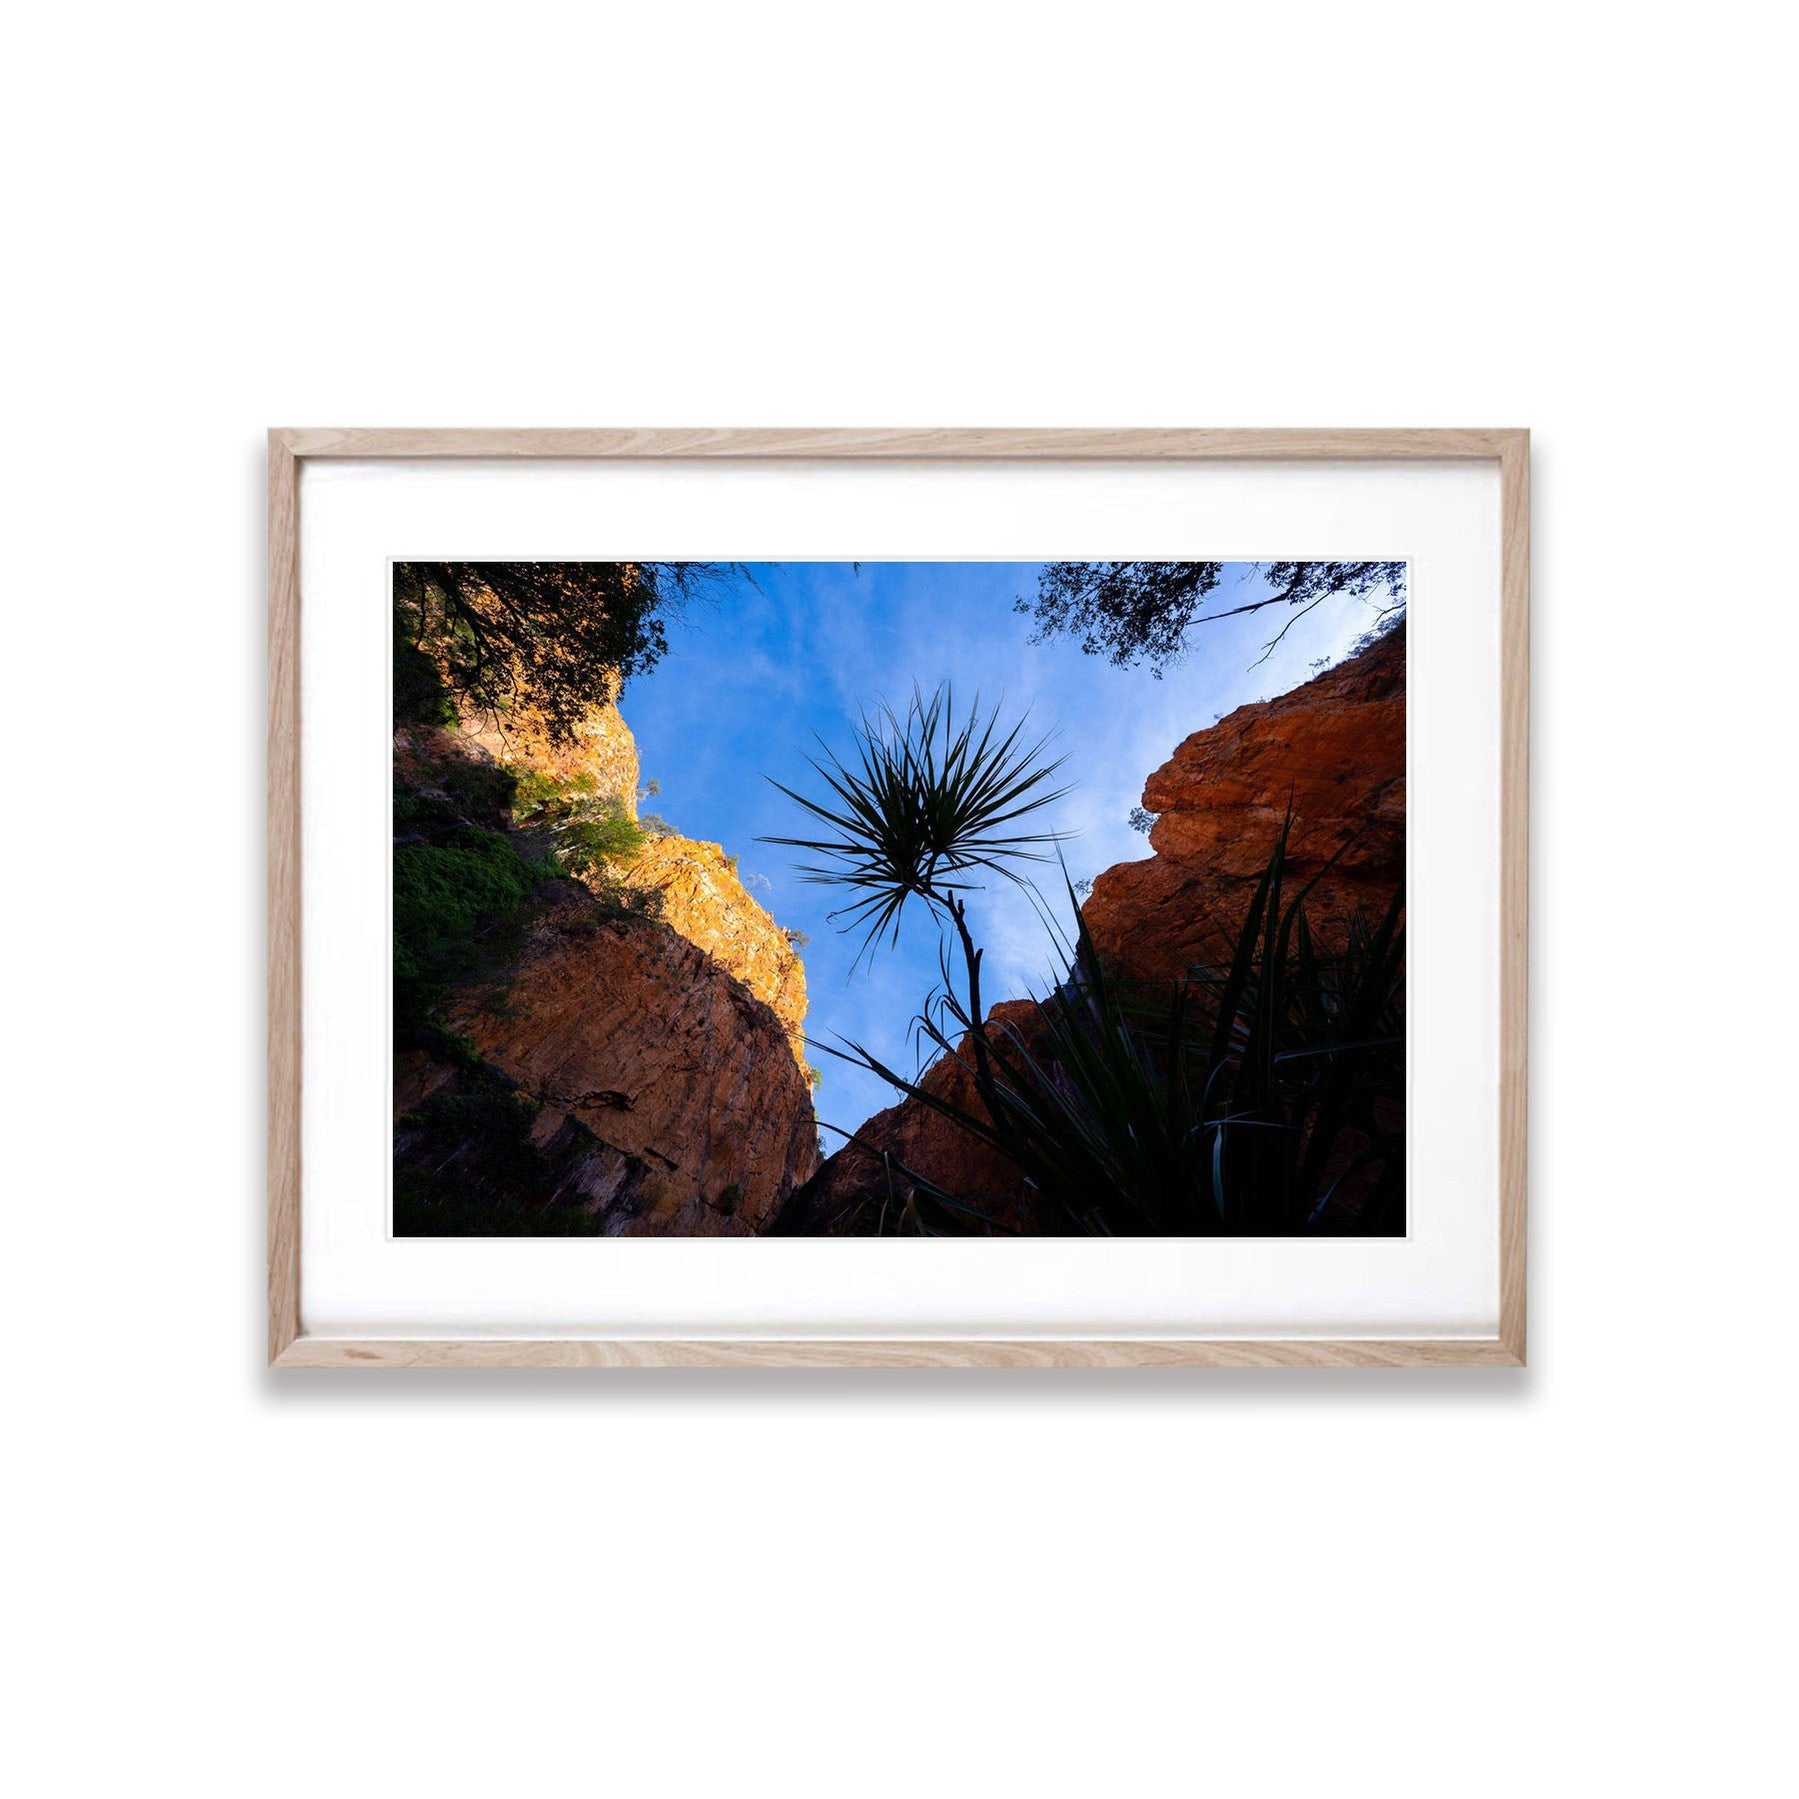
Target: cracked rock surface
point(681, 1074)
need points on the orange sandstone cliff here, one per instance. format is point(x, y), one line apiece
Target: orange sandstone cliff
point(698, 1114)
point(636, 1068)
point(1335, 750)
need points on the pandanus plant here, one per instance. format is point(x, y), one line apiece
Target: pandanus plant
point(1259, 1095)
point(927, 803)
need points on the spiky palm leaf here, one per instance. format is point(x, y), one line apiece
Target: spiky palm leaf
point(923, 800)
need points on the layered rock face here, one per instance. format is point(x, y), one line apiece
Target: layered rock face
point(655, 1059)
point(1336, 748)
point(603, 747)
point(702, 899)
point(700, 894)
point(701, 1118)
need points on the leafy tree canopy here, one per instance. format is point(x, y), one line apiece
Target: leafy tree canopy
point(1131, 612)
point(557, 636)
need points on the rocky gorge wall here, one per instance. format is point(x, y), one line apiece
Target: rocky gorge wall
point(700, 1117)
point(1334, 750)
point(625, 1068)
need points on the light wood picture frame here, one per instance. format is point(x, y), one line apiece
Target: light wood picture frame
point(289, 449)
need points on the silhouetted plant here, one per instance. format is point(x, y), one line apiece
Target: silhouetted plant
point(1263, 1097)
point(929, 800)
point(1259, 1097)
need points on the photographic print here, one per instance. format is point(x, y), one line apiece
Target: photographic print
point(899, 899)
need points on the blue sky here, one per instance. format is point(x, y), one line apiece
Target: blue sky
point(752, 674)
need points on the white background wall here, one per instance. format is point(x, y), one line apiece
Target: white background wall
point(1563, 216)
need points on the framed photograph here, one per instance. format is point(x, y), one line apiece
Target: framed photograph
point(897, 898)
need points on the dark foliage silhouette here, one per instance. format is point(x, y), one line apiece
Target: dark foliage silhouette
point(561, 635)
point(1131, 612)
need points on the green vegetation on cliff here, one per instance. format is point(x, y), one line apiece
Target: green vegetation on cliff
point(588, 830)
point(447, 897)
